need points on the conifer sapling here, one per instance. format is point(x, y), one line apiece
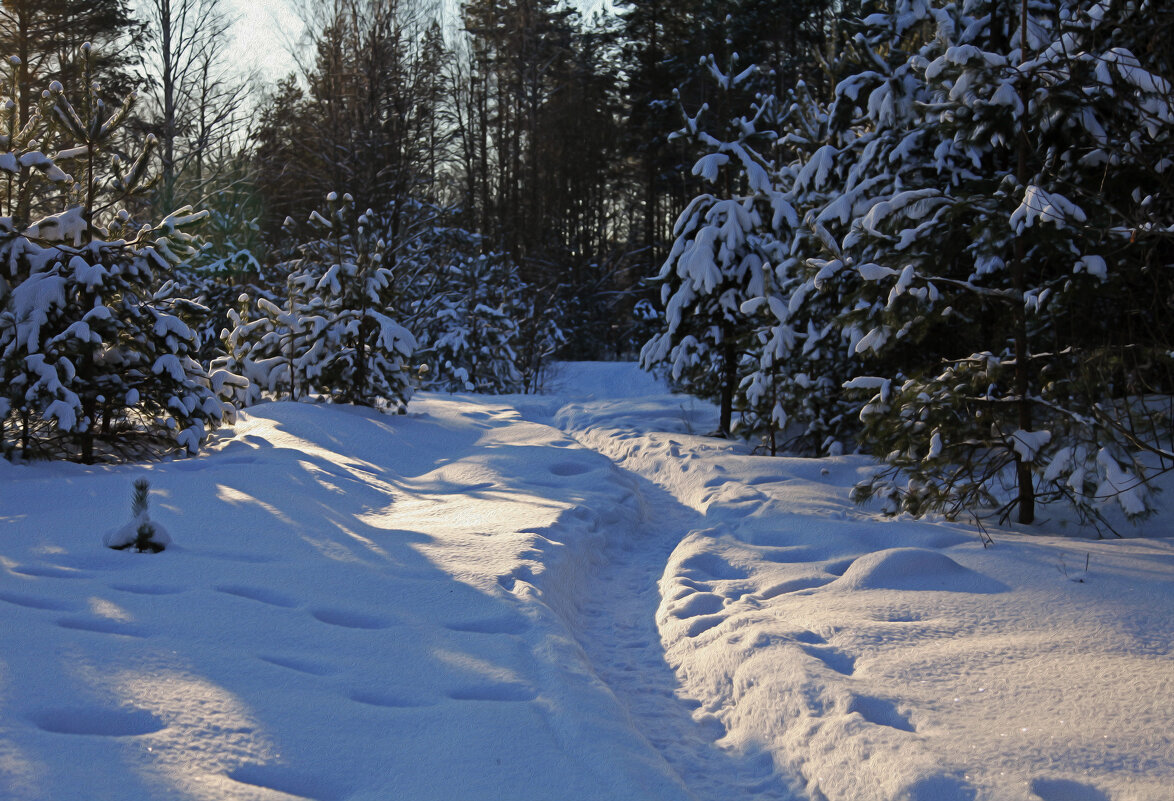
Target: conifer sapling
point(141, 534)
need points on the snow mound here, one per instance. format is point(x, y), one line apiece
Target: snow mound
point(125, 536)
point(914, 569)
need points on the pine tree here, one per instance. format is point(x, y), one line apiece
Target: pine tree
point(334, 337)
point(727, 246)
point(141, 533)
point(471, 338)
point(97, 348)
point(1000, 267)
point(802, 356)
point(480, 327)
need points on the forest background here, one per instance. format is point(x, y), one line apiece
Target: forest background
point(937, 231)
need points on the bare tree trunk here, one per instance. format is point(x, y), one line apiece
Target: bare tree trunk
point(1024, 480)
point(729, 380)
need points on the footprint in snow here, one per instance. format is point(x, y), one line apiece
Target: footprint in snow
point(35, 602)
point(301, 665)
point(350, 619)
point(570, 468)
point(838, 568)
point(710, 565)
point(50, 571)
point(793, 585)
point(494, 692)
point(697, 603)
point(203, 463)
point(239, 556)
point(149, 589)
point(506, 624)
point(391, 699)
point(258, 594)
point(879, 712)
point(935, 788)
point(1066, 790)
point(100, 625)
point(289, 781)
point(96, 721)
point(834, 658)
point(701, 624)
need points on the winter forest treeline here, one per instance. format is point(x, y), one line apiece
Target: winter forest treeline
point(937, 231)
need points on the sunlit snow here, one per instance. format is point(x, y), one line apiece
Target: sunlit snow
point(568, 596)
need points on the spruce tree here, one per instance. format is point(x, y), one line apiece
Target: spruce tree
point(803, 356)
point(468, 334)
point(97, 347)
point(727, 246)
point(1016, 160)
point(334, 337)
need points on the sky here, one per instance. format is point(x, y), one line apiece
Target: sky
point(262, 35)
point(266, 29)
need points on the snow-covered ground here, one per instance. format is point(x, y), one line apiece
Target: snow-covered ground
point(572, 596)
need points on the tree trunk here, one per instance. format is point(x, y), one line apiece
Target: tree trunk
point(1026, 486)
point(729, 380)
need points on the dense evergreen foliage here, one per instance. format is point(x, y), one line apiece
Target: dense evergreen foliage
point(937, 231)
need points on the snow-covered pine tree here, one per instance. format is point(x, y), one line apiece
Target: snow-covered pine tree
point(142, 533)
point(257, 345)
point(228, 262)
point(469, 334)
point(480, 327)
point(804, 356)
point(537, 312)
point(343, 294)
point(726, 244)
point(95, 347)
point(1016, 159)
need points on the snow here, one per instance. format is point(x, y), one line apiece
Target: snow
point(570, 595)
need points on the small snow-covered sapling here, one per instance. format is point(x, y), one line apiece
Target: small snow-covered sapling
point(138, 510)
point(1077, 577)
point(140, 533)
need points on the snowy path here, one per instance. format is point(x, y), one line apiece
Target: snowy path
point(620, 636)
point(617, 624)
point(536, 598)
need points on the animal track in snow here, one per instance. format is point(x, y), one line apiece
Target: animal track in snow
point(101, 625)
point(494, 692)
point(259, 594)
point(350, 619)
point(286, 780)
point(34, 602)
point(95, 721)
point(391, 699)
